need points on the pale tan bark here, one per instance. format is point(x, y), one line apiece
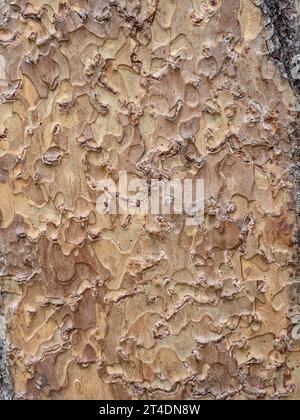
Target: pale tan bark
point(111, 307)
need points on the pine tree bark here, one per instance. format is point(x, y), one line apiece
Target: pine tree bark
point(97, 306)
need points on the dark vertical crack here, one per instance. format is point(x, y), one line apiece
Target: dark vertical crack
point(5, 384)
point(284, 37)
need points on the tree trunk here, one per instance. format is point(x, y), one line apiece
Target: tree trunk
point(132, 305)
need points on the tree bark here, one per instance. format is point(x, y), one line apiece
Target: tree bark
point(141, 306)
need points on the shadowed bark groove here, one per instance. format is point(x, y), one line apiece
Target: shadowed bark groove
point(5, 385)
point(284, 37)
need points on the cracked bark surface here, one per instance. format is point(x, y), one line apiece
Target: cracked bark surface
point(144, 307)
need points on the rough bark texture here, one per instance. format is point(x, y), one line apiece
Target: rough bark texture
point(284, 37)
point(120, 307)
